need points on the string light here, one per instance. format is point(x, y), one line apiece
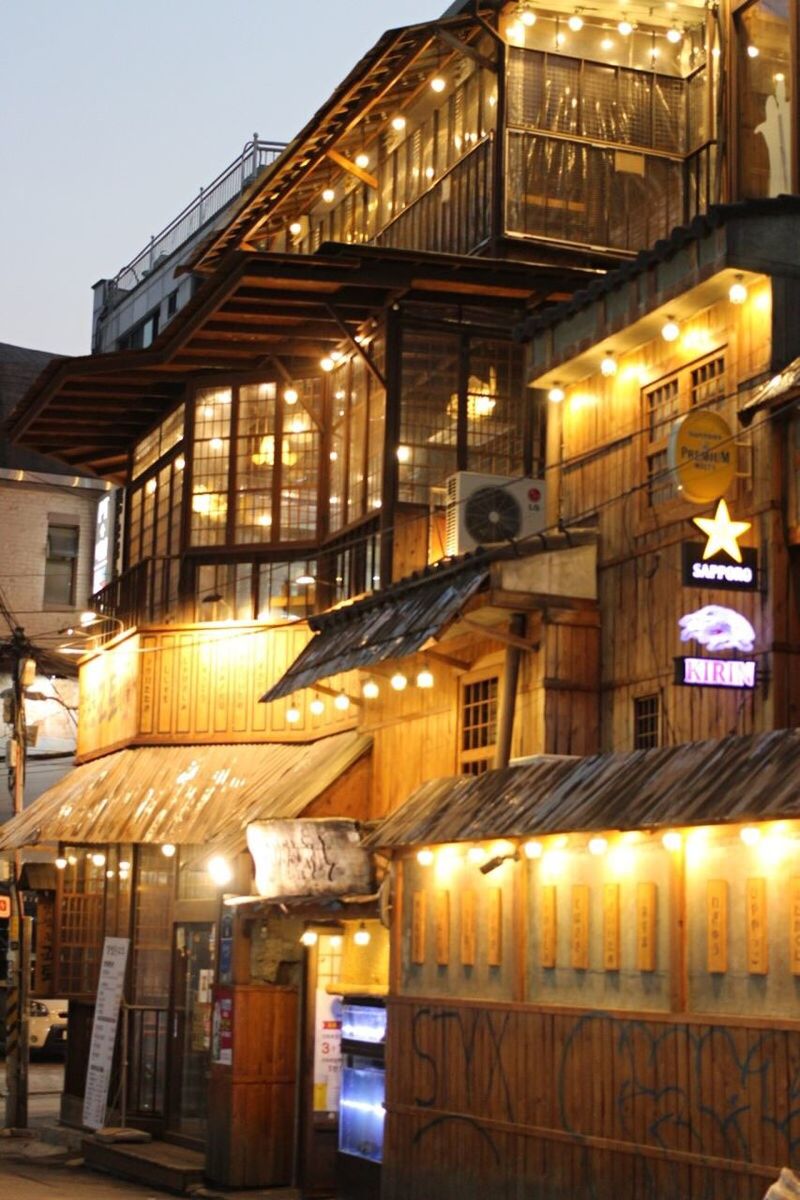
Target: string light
point(598, 845)
point(750, 835)
point(556, 394)
point(608, 364)
point(438, 84)
point(98, 860)
point(403, 454)
point(292, 714)
point(625, 28)
point(674, 35)
point(398, 124)
point(575, 22)
point(672, 840)
point(607, 44)
point(362, 161)
point(61, 864)
point(370, 690)
point(317, 707)
point(528, 17)
point(327, 363)
point(329, 195)
point(737, 293)
point(670, 330)
point(362, 937)
point(533, 849)
point(476, 855)
point(295, 228)
point(309, 937)
point(425, 857)
point(753, 51)
point(425, 679)
point(168, 850)
point(290, 395)
point(399, 681)
point(342, 702)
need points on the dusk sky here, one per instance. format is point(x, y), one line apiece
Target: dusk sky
point(114, 114)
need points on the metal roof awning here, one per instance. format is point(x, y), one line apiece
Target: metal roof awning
point(752, 778)
point(776, 391)
point(184, 794)
point(392, 624)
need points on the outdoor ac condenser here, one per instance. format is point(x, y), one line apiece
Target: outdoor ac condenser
point(486, 510)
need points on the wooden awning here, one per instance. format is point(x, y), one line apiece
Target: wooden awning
point(260, 312)
point(186, 795)
point(392, 624)
point(752, 778)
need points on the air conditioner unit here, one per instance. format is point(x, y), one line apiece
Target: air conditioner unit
point(484, 510)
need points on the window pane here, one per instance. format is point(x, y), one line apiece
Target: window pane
point(210, 466)
point(495, 415)
point(300, 464)
point(765, 121)
point(61, 566)
point(255, 462)
point(429, 419)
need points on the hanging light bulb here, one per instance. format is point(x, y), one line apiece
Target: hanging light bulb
point(124, 865)
point(398, 124)
point(342, 702)
point(476, 855)
point(295, 228)
point(625, 28)
point(533, 849)
point(327, 363)
point(328, 195)
point(362, 937)
point(672, 840)
point(598, 845)
point(575, 22)
point(737, 293)
point(110, 874)
point(362, 160)
point(750, 835)
point(309, 937)
point(607, 44)
point(98, 859)
point(425, 679)
point(316, 707)
point(292, 714)
point(168, 850)
point(556, 394)
point(528, 17)
point(398, 681)
point(370, 690)
point(61, 863)
point(290, 395)
point(438, 84)
point(670, 330)
point(608, 364)
point(674, 35)
point(425, 857)
point(753, 51)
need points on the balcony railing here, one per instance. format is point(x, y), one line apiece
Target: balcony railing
point(230, 183)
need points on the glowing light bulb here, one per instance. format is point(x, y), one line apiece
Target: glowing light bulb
point(674, 35)
point(109, 874)
point(533, 849)
point(342, 702)
point(180, 463)
point(575, 22)
point(670, 330)
point(124, 865)
point(290, 395)
point(403, 454)
point(362, 161)
point(515, 31)
point(425, 857)
point(309, 937)
point(329, 195)
point(399, 681)
point(370, 690)
point(737, 293)
point(327, 363)
point(528, 17)
point(61, 864)
point(362, 936)
point(672, 840)
point(608, 364)
point(216, 443)
point(625, 28)
point(168, 850)
point(476, 855)
point(316, 707)
point(293, 714)
point(556, 394)
point(438, 84)
point(295, 228)
point(607, 44)
point(750, 835)
point(598, 845)
point(753, 51)
point(337, 355)
point(779, 76)
point(98, 860)
point(425, 679)
point(398, 124)
point(219, 870)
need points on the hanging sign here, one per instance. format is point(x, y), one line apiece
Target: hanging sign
point(716, 672)
point(719, 572)
point(702, 453)
point(718, 628)
point(104, 1031)
point(723, 534)
point(309, 858)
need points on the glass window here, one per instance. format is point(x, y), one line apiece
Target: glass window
point(646, 722)
point(300, 464)
point(158, 442)
point(61, 566)
point(255, 462)
point(155, 881)
point(212, 430)
point(478, 725)
point(80, 918)
point(765, 116)
point(429, 419)
point(495, 408)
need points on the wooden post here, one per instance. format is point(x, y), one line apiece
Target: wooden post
point(508, 699)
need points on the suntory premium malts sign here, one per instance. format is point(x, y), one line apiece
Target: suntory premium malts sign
point(702, 453)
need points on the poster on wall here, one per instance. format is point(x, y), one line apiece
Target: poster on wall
point(104, 1030)
point(222, 1029)
point(327, 1051)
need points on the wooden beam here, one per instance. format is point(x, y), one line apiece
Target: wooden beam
point(482, 60)
point(500, 635)
point(353, 168)
point(329, 691)
point(359, 349)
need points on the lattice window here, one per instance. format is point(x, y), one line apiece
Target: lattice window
point(80, 920)
point(708, 381)
point(478, 724)
point(155, 875)
point(698, 384)
point(647, 722)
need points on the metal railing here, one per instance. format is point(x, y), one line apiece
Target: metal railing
point(256, 155)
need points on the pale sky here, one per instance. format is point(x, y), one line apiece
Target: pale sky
point(113, 114)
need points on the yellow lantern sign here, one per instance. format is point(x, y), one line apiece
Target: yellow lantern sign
point(702, 453)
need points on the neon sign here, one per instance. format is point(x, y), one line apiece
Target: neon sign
point(718, 572)
point(723, 534)
point(716, 672)
point(718, 628)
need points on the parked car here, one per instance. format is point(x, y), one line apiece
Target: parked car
point(47, 1031)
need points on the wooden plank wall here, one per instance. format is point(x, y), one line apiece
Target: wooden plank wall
point(504, 1102)
point(598, 437)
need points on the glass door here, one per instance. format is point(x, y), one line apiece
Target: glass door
point(194, 950)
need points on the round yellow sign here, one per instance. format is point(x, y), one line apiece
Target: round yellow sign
point(702, 453)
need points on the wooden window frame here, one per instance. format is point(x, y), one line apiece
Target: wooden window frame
point(483, 754)
point(640, 718)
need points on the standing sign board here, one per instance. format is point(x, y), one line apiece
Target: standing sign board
point(104, 1030)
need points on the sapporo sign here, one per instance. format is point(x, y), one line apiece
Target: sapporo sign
point(719, 572)
point(702, 453)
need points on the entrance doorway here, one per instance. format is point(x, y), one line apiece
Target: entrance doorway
point(193, 958)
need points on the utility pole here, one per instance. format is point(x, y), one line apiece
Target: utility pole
point(19, 927)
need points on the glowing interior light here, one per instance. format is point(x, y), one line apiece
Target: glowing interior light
point(342, 702)
point(398, 124)
point(425, 857)
point(672, 840)
point(98, 860)
point(598, 845)
point(575, 22)
point(290, 395)
point(398, 681)
point(560, 39)
point(306, 580)
point(370, 690)
point(753, 51)
point(674, 35)
point(295, 228)
point(425, 679)
point(364, 1106)
point(109, 874)
point(219, 870)
point(528, 17)
point(329, 195)
point(72, 860)
point(779, 77)
point(532, 849)
point(309, 937)
point(293, 714)
point(61, 864)
point(327, 363)
point(476, 855)
point(750, 835)
point(608, 364)
point(403, 454)
point(216, 443)
point(607, 44)
point(362, 161)
point(337, 355)
point(180, 463)
point(168, 850)
point(335, 941)
point(316, 707)
point(621, 859)
point(625, 28)
point(438, 84)
point(670, 330)
point(361, 937)
point(124, 865)
point(515, 31)
point(556, 394)
point(737, 293)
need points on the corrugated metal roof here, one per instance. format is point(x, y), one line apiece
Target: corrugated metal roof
point(751, 778)
point(183, 794)
point(779, 387)
point(391, 624)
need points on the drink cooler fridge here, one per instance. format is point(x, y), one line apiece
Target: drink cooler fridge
point(361, 1112)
